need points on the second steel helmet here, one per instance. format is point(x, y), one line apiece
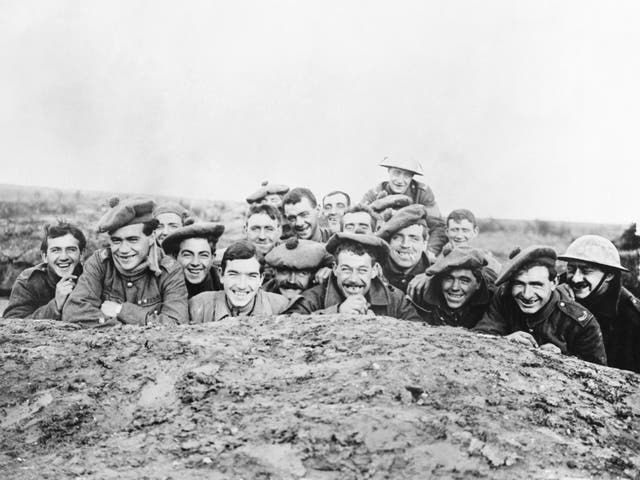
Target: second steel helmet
point(403, 163)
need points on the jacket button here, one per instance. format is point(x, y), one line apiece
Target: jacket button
point(144, 301)
point(139, 302)
point(562, 304)
point(129, 284)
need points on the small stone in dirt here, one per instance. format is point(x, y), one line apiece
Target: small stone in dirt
point(572, 464)
point(190, 445)
point(77, 469)
point(207, 461)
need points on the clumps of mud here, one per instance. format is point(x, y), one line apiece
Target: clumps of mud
point(305, 397)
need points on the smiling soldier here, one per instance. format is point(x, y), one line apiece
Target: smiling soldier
point(360, 219)
point(530, 310)
point(295, 263)
point(407, 235)
point(354, 286)
point(301, 212)
point(41, 291)
point(194, 247)
point(128, 282)
point(594, 275)
point(459, 291)
point(242, 295)
point(171, 216)
point(401, 183)
point(334, 205)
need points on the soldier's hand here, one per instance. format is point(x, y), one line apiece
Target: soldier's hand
point(322, 275)
point(567, 290)
point(111, 309)
point(523, 338)
point(550, 347)
point(63, 289)
point(356, 304)
point(418, 286)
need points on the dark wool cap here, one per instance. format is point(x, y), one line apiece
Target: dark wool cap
point(366, 240)
point(298, 255)
point(394, 201)
point(520, 258)
point(207, 230)
point(126, 212)
point(171, 207)
point(460, 257)
point(412, 215)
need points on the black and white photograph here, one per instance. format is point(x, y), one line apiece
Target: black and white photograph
point(319, 240)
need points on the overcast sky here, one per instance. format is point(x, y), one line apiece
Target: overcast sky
point(515, 109)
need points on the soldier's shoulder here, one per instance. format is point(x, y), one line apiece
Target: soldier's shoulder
point(575, 311)
point(33, 272)
point(630, 300)
point(169, 264)
point(421, 186)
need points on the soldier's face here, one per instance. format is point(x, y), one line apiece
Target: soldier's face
point(168, 222)
point(399, 180)
point(302, 217)
point(585, 278)
point(196, 258)
point(130, 246)
point(333, 208)
point(407, 246)
point(292, 283)
point(532, 289)
point(63, 254)
point(357, 222)
point(273, 199)
point(461, 232)
point(241, 280)
point(458, 286)
point(263, 232)
point(354, 273)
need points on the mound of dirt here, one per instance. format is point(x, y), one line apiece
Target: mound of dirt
point(314, 397)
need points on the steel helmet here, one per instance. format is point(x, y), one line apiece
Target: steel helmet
point(404, 163)
point(593, 249)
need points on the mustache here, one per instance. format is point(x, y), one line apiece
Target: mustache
point(353, 284)
point(579, 285)
point(291, 286)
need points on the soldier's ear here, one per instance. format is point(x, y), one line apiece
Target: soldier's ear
point(44, 256)
point(375, 270)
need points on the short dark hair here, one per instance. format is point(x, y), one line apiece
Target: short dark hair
point(264, 209)
point(462, 214)
point(297, 194)
point(374, 218)
point(357, 249)
point(60, 230)
point(240, 250)
point(539, 262)
point(337, 192)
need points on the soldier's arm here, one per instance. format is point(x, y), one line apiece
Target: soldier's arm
point(369, 196)
point(406, 311)
point(23, 301)
point(307, 303)
point(173, 309)
point(586, 342)
point(84, 302)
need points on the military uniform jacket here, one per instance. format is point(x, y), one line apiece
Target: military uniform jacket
point(401, 279)
point(563, 322)
point(423, 195)
point(327, 297)
point(434, 309)
point(212, 306)
point(33, 294)
point(160, 298)
point(618, 313)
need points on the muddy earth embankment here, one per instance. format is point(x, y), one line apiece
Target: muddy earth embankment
point(313, 397)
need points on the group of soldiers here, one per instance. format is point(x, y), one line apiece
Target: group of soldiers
point(391, 254)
